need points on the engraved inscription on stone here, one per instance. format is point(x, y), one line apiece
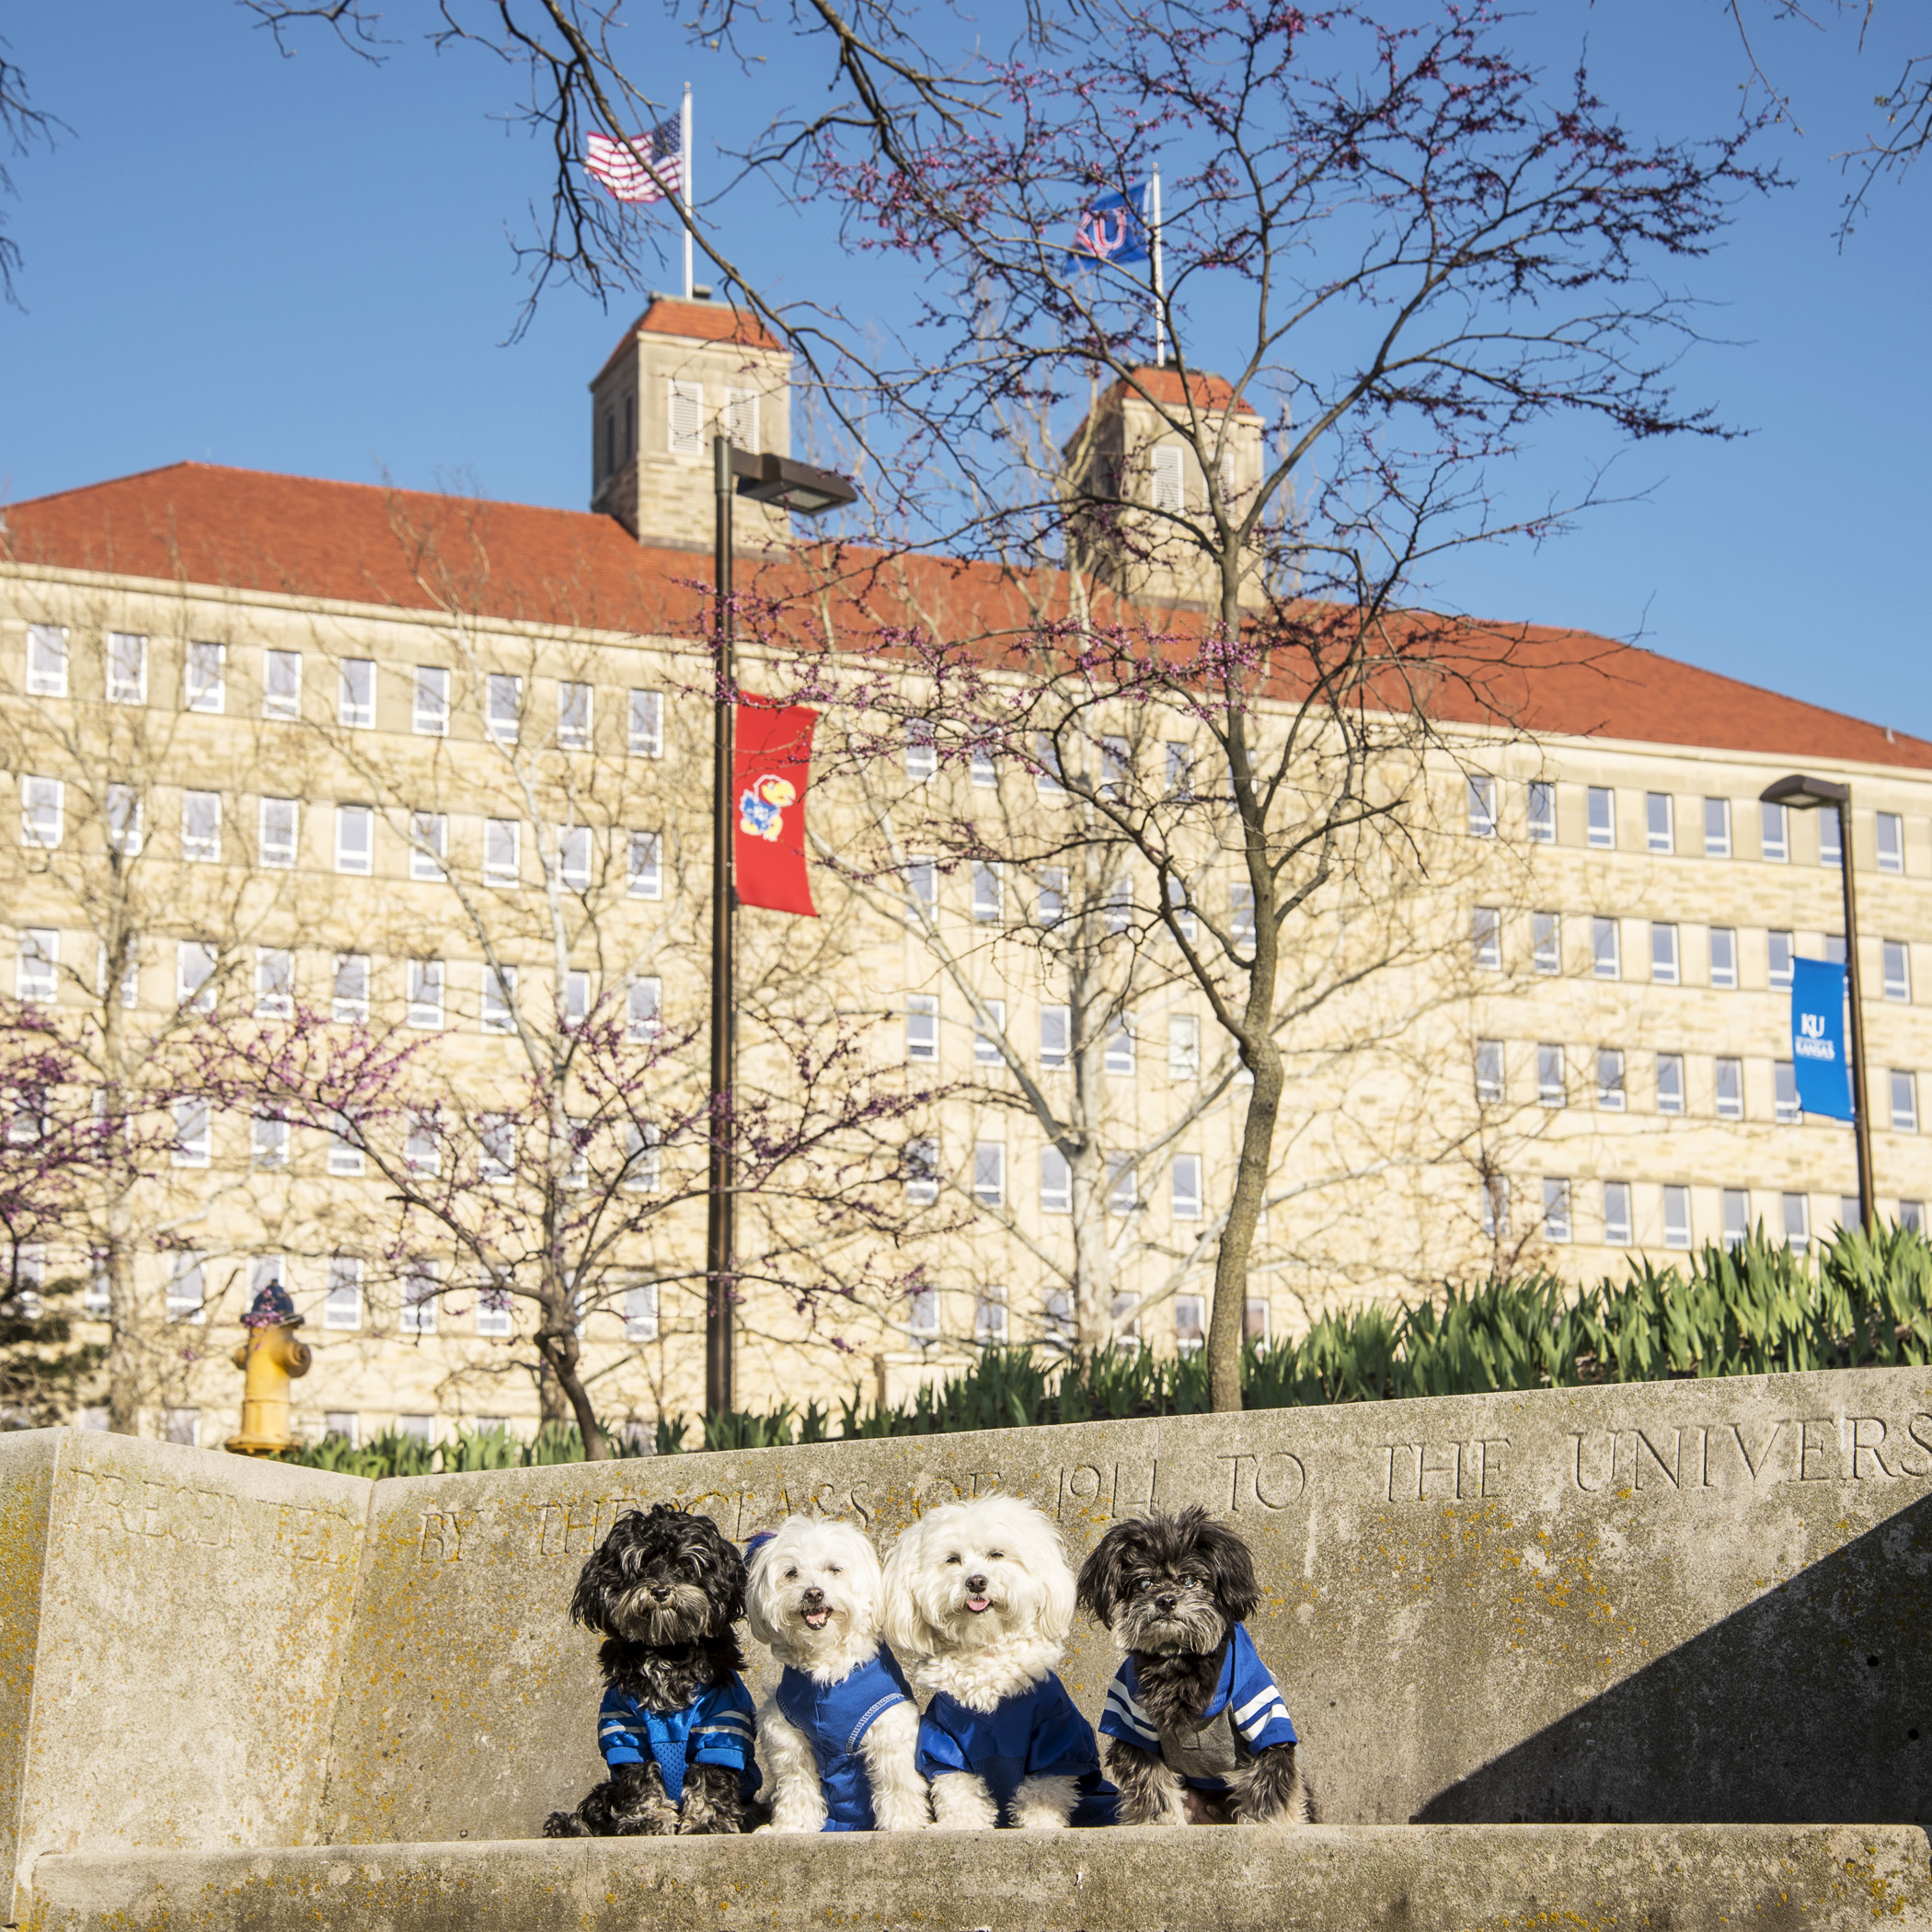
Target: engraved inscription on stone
point(119, 1508)
point(1468, 1471)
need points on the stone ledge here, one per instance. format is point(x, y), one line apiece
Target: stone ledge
point(1328, 1879)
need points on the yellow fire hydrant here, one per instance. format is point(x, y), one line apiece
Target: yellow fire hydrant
point(271, 1358)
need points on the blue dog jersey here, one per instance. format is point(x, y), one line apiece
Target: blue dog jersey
point(1038, 1734)
point(1245, 1715)
point(835, 1717)
point(715, 1728)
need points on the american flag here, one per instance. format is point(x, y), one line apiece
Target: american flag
point(618, 168)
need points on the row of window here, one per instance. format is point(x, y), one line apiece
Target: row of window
point(1739, 1213)
point(1120, 1052)
point(204, 687)
point(1611, 1067)
point(991, 1327)
point(684, 424)
point(1662, 832)
point(1185, 1198)
point(1118, 772)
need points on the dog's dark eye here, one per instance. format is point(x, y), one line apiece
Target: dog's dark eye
point(996, 1556)
point(1190, 1582)
point(954, 1557)
point(791, 1576)
point(832, 1569)
point(1143, 1583)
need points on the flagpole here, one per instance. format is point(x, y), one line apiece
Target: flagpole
point(719, 1231)
point(1160, 331)
point(685, 180)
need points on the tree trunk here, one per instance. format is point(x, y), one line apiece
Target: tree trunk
point(1226, 1321)
point(123, 1351)
point(556, 1343)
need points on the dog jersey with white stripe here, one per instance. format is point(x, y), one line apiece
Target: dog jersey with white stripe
point(1036, 1735)
point(1245, 1715)
point(715, 1728)
point(835, 1717)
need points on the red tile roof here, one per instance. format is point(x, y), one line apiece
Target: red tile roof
point(698, 321)
point(199, 525)
point(1164, 385)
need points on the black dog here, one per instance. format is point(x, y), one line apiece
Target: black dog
point(1196, 1731)
point(676, 1724)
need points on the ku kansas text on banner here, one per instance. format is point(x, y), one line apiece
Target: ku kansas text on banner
point(1114, 226)
point(771, 767)
point(1818, 1037)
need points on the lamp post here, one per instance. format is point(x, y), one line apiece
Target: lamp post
point(1807, 794)
point(764, 477)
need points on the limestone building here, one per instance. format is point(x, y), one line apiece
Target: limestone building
point(428, 778)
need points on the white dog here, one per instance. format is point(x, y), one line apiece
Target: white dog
point(840, 1736)
point(981, 1596)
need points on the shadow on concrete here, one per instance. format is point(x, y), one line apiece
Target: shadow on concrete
point(1812, 1706)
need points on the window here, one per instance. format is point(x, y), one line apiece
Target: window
point(645, 867)
point(498, 998)
point(922, 755)
point(429, 713)
point(1660, 822)
point(1546, 941)
point(1056, 1030)
point(641, 1312)
point(1241, 912)
point(1046, 759)
point(1669, 1083)
point(1053, 895)
point(1730, 1089)
point(1898, 970)
point(1912, 1215)
point(922, 1318)
point(1118, 904)
point(1603, 816)
point(194, 974)
point(738, 418)
point(1848, 1211)
point(1542, 812)
point(501, 851)
point(421, 1429)
point(1488, 1071)
point(576, 997)
point(1775, 833)
point(355, 694)
point(1737, 1216)
point(1891, 841)
point(643, 1010)
point(1183, 911)
point(422, 1143)
point(922, 1172)
point(187, 1289)
point(685, 420)
point(1610, 1094)
point(275, 833)
point(496, 1148)
point(345, 1147)
point(418, 1303)
point(268, 1141)
point(1183, 1046)
point(1676, 1217)
point(1185, 1184)
point(1798, 1220)
point(988, 897)
point(1552, 1088)
point(1123, 1310)
point(205, 679)
point(573, 716)
point(989, 1318)
point(1179, 771)
point(1495, 1192)
point(349, 1001)
point(1168, 483)
point(425, 992)
point(1784, 1079)
point(274, 982)
point(36, 973)
point(355, 839)
point(503, 695)
point(1115, 768)
point(1556, 1210)
point(1834, 949)
point(1828, 851)
point(429, 843)
point(47, 660)
point(1606, 955)
point(127, 667)
point(1118, 1056)
point(647, 724)
point(1724, 957)
point(1482, 806)
point(922, 879)
point(1123, 1185)
point(1663, 954)
point(573, 856)
point(987, 1033)
point(1486, 933)
point(202, 827)
point(129, 972)
point(280, 683)
point(989, 1173)
point(1717, 828)
point(1905, 1103)
point(1056, 1182)
point(1783, 947)
point(1616, 1212)
point(985, 773)
point(495, 1313)
point(1189, 1324)
point(192, 1134)
point(922, 1027)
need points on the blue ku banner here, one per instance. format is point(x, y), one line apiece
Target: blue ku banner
point(1818, 1037)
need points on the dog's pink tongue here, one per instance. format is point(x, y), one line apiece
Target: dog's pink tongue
point(978, 1603)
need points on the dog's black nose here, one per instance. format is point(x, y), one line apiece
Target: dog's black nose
point(814, 1596)
point(975, 1586)
point(1166, 1600)
point(660, 1591)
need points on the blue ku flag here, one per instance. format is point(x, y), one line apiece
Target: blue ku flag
point(1113, 227)
point(1818, 1037)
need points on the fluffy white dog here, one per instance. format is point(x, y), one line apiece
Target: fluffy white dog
point(980, 1596)
point(840, 1736)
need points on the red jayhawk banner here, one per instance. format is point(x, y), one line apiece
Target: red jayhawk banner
point(771, 767)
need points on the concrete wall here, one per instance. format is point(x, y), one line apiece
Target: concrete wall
point(1681, 1603)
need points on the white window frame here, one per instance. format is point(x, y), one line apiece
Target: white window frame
point(1056, 1181)
point(1735, 1205)
point(430, 702)
point(1186, 1201)
point(1557, 1220)
point(573, 733)
point(349, 819)
point(986, 1043)
point(199, 992)
point(1546, 942)
point(983, 768)
point(1728, 1086)
point(1829, 852)
point(922, 1170)
point(1775, 833)
point(1541, 812)
point(47, 660)
point(422, 1145)
point(419, 1285)
point(641, 1312)
point(1119, 1055)
point(738, 421)
point(1724, 958)
point(1052, 896)
point(921, 1028)
point(643, 1156)
point(1606, 948)
point(1491, 1073)
point(1889, 829)
point(502, 868)
point(1620, 1221)
point(425, 982)
point(1671, 1096)
point(1047, 779)
point(274, 982)
point(269, 1140)
point(1485, 938)
point(342, 1295)
point(495, 1149)
point(989, 1174)
point(501, 725)
point(1167, 479)
point(1795, 1210)
point(1677, 1227)
point(201, 843)
point(1552, 1075)
point(1903, 1089)
point(647, 723)
point(1602, 818)
point(1183, 1046)
point(355, 694)
point(193, 1142)
point(1897, 985)
point(274, 847)
point(205, 677)
point(684, 418)
point(1717, 828)
point(1057, 1038)
point(1659, 823)
point(1241, 912)
point(345, 1158)
point(1780, 976)
point(1123, 1184)
point(644, 873)
point(644, 1009)
point(1481, 789)
point(921, 752)
point(1494, 1206)
point(989, 1317)
point(280, 695)
point(186, 1298)
point(43, 811)
point(573, 857)
point(1784, 1089)
point(921, 1315)
point(1613, 1093)
point(429, 845)
point(124, 670)
point(989, 894)
point(36, 975)
point(1189, 1324)
point(1666, 962)
point(348, 1009)
point(497, 1011)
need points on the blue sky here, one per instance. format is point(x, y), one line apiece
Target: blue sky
point(302, 265)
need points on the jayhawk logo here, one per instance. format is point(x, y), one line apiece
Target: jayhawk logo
point(761, 809)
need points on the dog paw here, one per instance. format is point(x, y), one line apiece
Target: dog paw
point(564, 1824)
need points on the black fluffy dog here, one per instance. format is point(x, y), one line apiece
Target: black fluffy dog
point(1196, 1730)
point(675, 1727)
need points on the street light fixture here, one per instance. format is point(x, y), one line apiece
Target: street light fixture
point(1804, 793)
point(764, 477)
